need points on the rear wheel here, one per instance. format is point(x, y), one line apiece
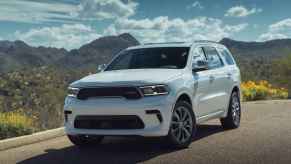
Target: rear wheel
point(232, 120)
point(85, 140)
point(183, 126)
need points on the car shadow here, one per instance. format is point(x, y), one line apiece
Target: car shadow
point(115, 150)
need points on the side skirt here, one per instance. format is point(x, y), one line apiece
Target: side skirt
point(210, 116)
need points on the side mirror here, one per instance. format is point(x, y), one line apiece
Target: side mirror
point(200, 65)
point(101, 67)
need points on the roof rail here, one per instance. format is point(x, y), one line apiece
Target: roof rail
point(195, 41)
point(164, 43)
point(204, 41)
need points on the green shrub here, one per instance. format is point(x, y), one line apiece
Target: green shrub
point(13, 124)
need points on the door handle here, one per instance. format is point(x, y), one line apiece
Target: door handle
point(228, 75)
point(211, 78)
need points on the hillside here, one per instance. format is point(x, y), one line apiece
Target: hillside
point(268, 50)
point(256, 59)
point(18, 55)
point(99, 51)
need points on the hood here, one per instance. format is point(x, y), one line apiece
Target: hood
point(134, 77)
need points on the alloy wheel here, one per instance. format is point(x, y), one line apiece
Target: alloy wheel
point(235, 108)
point(182, 124)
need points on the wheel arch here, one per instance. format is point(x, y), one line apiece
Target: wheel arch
point(184, 96)
point(235, 88)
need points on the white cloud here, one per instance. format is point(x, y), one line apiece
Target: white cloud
point(52, 11)
point(281, 25)
point(236, 28)
point(195, 4)
point(271, 36)
point(163, 29)
point(278, 30)
point(241, 11)
point(105, 9)
point(65, 36)
point(36, 12)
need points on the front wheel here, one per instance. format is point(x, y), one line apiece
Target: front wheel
point(182, 126)
point(232, 120)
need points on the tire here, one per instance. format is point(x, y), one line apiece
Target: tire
point(232, 121)
point(85, 140)
point(182, 126)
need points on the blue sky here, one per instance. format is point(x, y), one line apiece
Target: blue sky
point(72, 23)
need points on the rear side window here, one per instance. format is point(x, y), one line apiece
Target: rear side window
point(214, 60)
point(227, 56)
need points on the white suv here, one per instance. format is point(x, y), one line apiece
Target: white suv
point(163, 89)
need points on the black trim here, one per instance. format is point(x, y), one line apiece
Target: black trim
point(66, 112)
point(108, 122)
point(128, 92)
point(157, 113)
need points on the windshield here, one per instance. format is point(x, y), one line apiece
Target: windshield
point(165, 57)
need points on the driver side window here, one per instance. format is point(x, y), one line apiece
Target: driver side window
point(198, 55)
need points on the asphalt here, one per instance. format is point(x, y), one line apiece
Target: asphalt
point(264, 137)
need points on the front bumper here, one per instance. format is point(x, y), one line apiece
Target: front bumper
point(146, 109)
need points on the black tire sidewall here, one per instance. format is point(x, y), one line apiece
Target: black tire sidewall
point(171, 139)
point(235, 94)
point(228, 122)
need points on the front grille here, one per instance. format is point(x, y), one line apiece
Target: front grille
point(127, 92)
point(108, 122)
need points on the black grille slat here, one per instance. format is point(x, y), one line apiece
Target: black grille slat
point(127, 92)
point(108, 122)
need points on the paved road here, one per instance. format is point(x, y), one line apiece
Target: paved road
point(264, 137)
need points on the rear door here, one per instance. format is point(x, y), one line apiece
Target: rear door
point(230, 71)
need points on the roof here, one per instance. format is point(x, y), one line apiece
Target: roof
point(173, 44)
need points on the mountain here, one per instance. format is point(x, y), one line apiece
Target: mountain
point(18, 55)
point(256, 59)
point(15, 55)
point(268, 50)
point(99, 51)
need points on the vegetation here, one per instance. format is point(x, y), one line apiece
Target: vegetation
point(13, 124)
point(37, 94)
point(262, 90)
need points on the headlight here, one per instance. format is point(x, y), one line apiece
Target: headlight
point(154, 90)
point(73, 92)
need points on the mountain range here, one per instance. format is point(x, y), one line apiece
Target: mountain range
point(269, 49)
point(16, 55)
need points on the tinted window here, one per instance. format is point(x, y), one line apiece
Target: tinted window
point(226, 55)
point(166, 57)
point(214, 60)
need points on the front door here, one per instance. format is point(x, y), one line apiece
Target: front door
point(201, 85)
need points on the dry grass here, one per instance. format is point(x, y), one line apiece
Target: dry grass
point(13, 124)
